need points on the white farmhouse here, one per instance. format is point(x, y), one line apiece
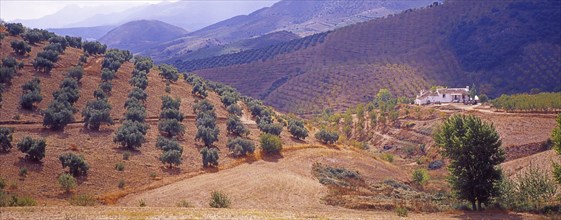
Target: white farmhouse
point(443, 95)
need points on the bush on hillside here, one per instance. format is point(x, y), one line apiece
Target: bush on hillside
point(210, 156)
point(131, 134)
point(76, 164)
point(95, 113)
point(67, 182)
point(94, 47)
point(240, 147)
point(169, 72)
point(20, 47)
point(234, 126)
point(327, 137)
point(219, 200)
point(270, 144)
point(171, 157)
point(14, 28)
point(58, 115)
point(33, 148)
point(297, 129)
point(6, 139)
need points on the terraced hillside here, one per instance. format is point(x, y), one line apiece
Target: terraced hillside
point(500, 46)
point(142, 170)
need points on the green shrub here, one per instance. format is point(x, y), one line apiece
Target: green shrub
point(6, 139)
point(401, 211)
point(240, 147)
point(33, 148)
point(22, 201)
point(131, 134)
point(270, 144)
point(120, 166)
point(327, 137)
point(83, 200)
point(20, 47)
point(209, 156)
point(297, 129)
point(219, 200)
point(67, 182)
point(420, 177)
point(171, 157)
point(121, 184)
point(388, 157)
point(76, 164)
point(234, 126)
point(235, 109)
point(23, 172)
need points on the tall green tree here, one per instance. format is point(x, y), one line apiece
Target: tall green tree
point(474, 150)
point(556, 139)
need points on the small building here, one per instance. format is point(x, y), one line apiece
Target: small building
point(443, 95)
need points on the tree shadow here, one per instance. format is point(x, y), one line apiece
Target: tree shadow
point(272, 158)
point(102, 132)
point(211, 169)
point(170, 171)
point(296, 140)
point(30, 165)
point(488, 214)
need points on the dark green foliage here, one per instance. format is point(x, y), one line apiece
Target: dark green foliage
point(209, 156)
point(240, 147)
point(483, 98)
point(130, 134)
point(229, 98)
point(234, 126)
point(136, 114)
point(6, 139)
point(107, 75)
point(114, 58)
point(138, 93)
point(75, 42)
point(83, 59)
point(327, 137)
point(170, 103)
point(20, 47)
point(203, 106)
point(54, 47)
point(94, 47)
point(235, 110)
point(59, 114)
point(67, 94)
point(335, 176)
point(533, 102)
point(51, 55)
point(134, 103)
point(169, 113)
point(171, 157)
point(33, 36)
point(10, 62)
point(33, 148)
point(59, 40)
point(297, 129)
point(67, 182)
point(270, 128)
point(208, 135)
point(42, 64)
point(31, 94)
point(270, 144)
point(463, 138)
point(140, 82)
point(171, 127)
point(96, 113)
point(199, 89)
point(76, 73)
point(6, 74)
point(15, 28)
point(106, 87)
point(167, 144)
point(76, 163)
point(169, 72)
point(143, 63)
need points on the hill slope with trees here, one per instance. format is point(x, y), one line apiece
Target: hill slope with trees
point(500, 46)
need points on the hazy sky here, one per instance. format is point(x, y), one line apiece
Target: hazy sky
point(26, 9)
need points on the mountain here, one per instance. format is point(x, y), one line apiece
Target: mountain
point(300, 17)
point(238, 46)
point(60, 19)
point(190, 15)
point(136, 35)
point(500, 46)
point(89, 33)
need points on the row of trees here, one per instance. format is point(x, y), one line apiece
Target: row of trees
point(7, 71)
point(132, 132)
point(207, 131)
point(60, 111)
point(170, 128)
point(529, 102)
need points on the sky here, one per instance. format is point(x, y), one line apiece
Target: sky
point(27, 9)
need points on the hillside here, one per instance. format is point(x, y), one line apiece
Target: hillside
point(266, 40)
point(300, 17)
point(97, 146)
point(137, 35)
point(90, 33)
point(442, 45)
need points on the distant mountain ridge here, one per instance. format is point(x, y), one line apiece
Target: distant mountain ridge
point(88, 33)
point(137, 35)
point(502, 47)
point(303, 18)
